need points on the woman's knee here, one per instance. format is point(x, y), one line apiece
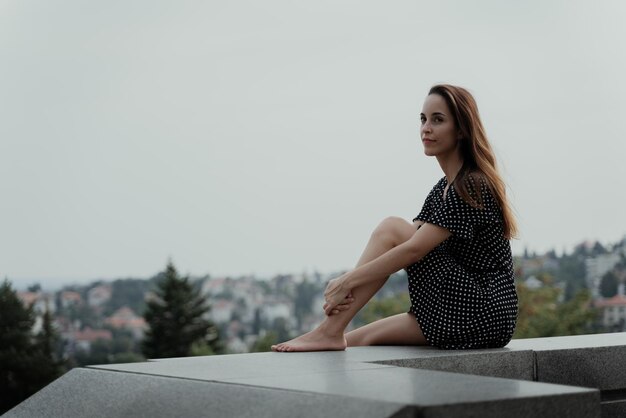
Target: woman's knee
point(393, 230)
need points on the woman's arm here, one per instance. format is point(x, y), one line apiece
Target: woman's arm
point(423, 241)
point(418, 223)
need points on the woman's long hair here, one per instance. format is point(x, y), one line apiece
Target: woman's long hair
point(479, 162)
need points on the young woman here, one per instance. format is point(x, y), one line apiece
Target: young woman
point(456, 252)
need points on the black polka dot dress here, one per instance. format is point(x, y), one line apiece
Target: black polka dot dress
point(462, 292)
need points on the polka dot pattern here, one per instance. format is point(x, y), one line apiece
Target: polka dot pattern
point(463, 292)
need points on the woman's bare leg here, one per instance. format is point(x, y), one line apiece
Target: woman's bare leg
point(400, 329)
point(329, 335)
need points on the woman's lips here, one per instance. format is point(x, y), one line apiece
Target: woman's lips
point(427, 141)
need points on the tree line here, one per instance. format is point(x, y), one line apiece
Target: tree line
point(177, 327)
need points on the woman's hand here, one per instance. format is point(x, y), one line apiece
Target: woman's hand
point(343, 306)
point(338, 297)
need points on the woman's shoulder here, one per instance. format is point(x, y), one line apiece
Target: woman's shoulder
point(477, 189)
point(475, 177)
point(476, 180)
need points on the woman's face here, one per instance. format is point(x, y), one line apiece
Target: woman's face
point(439, 133)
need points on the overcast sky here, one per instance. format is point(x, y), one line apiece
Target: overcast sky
point(271, 137)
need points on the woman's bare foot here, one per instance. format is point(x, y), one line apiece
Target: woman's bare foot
point(316, 340)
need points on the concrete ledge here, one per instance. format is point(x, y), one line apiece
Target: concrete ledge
point(597, 361)
point(377, 392)
point(527, 378)
point(105, 394)
point(518, 365)
point(614, 409)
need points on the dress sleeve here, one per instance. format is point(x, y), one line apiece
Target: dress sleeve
point(427, 208)
point(461, 218)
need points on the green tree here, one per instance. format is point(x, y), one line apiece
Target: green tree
point(49, 345)
point(382, 308)
point(24, 363)
point(83, 313)
point(281, 328)
point(127, 292)
point(127, 357)
point(36, 287)
point(100, 352)
point(122, 348)
point(598, 249)
point(305, 293)
point(201, 348)
point(541, 315)
point(572, 272)
point(608, 284)
point(265, 342)
point(257, 324)
point(176, 319)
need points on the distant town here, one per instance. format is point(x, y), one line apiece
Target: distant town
point(102, 322)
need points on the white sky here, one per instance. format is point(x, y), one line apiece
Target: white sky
point(266, 137)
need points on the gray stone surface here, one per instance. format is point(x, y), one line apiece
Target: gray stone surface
point(378, 354)
point(613, 409)
point(354, 374)
point(599, 367)
point(569, 342)
point(424, 388)
point(508, 364)
point(597, 360)
point(99, 393)
point(503, 362)
point(361, 381)
point(579, 406)
point(233, 366)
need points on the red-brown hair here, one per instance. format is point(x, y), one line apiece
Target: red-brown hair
point(479, 162)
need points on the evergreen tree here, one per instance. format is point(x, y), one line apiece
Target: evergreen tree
point(24, 366)
point(127, 292)
point(176, 319)
point(608, 284)
point(572, 272)
point(257, 325)
point(15, 345)
point(47, 342)
point(305, 293)
point(281, 328)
